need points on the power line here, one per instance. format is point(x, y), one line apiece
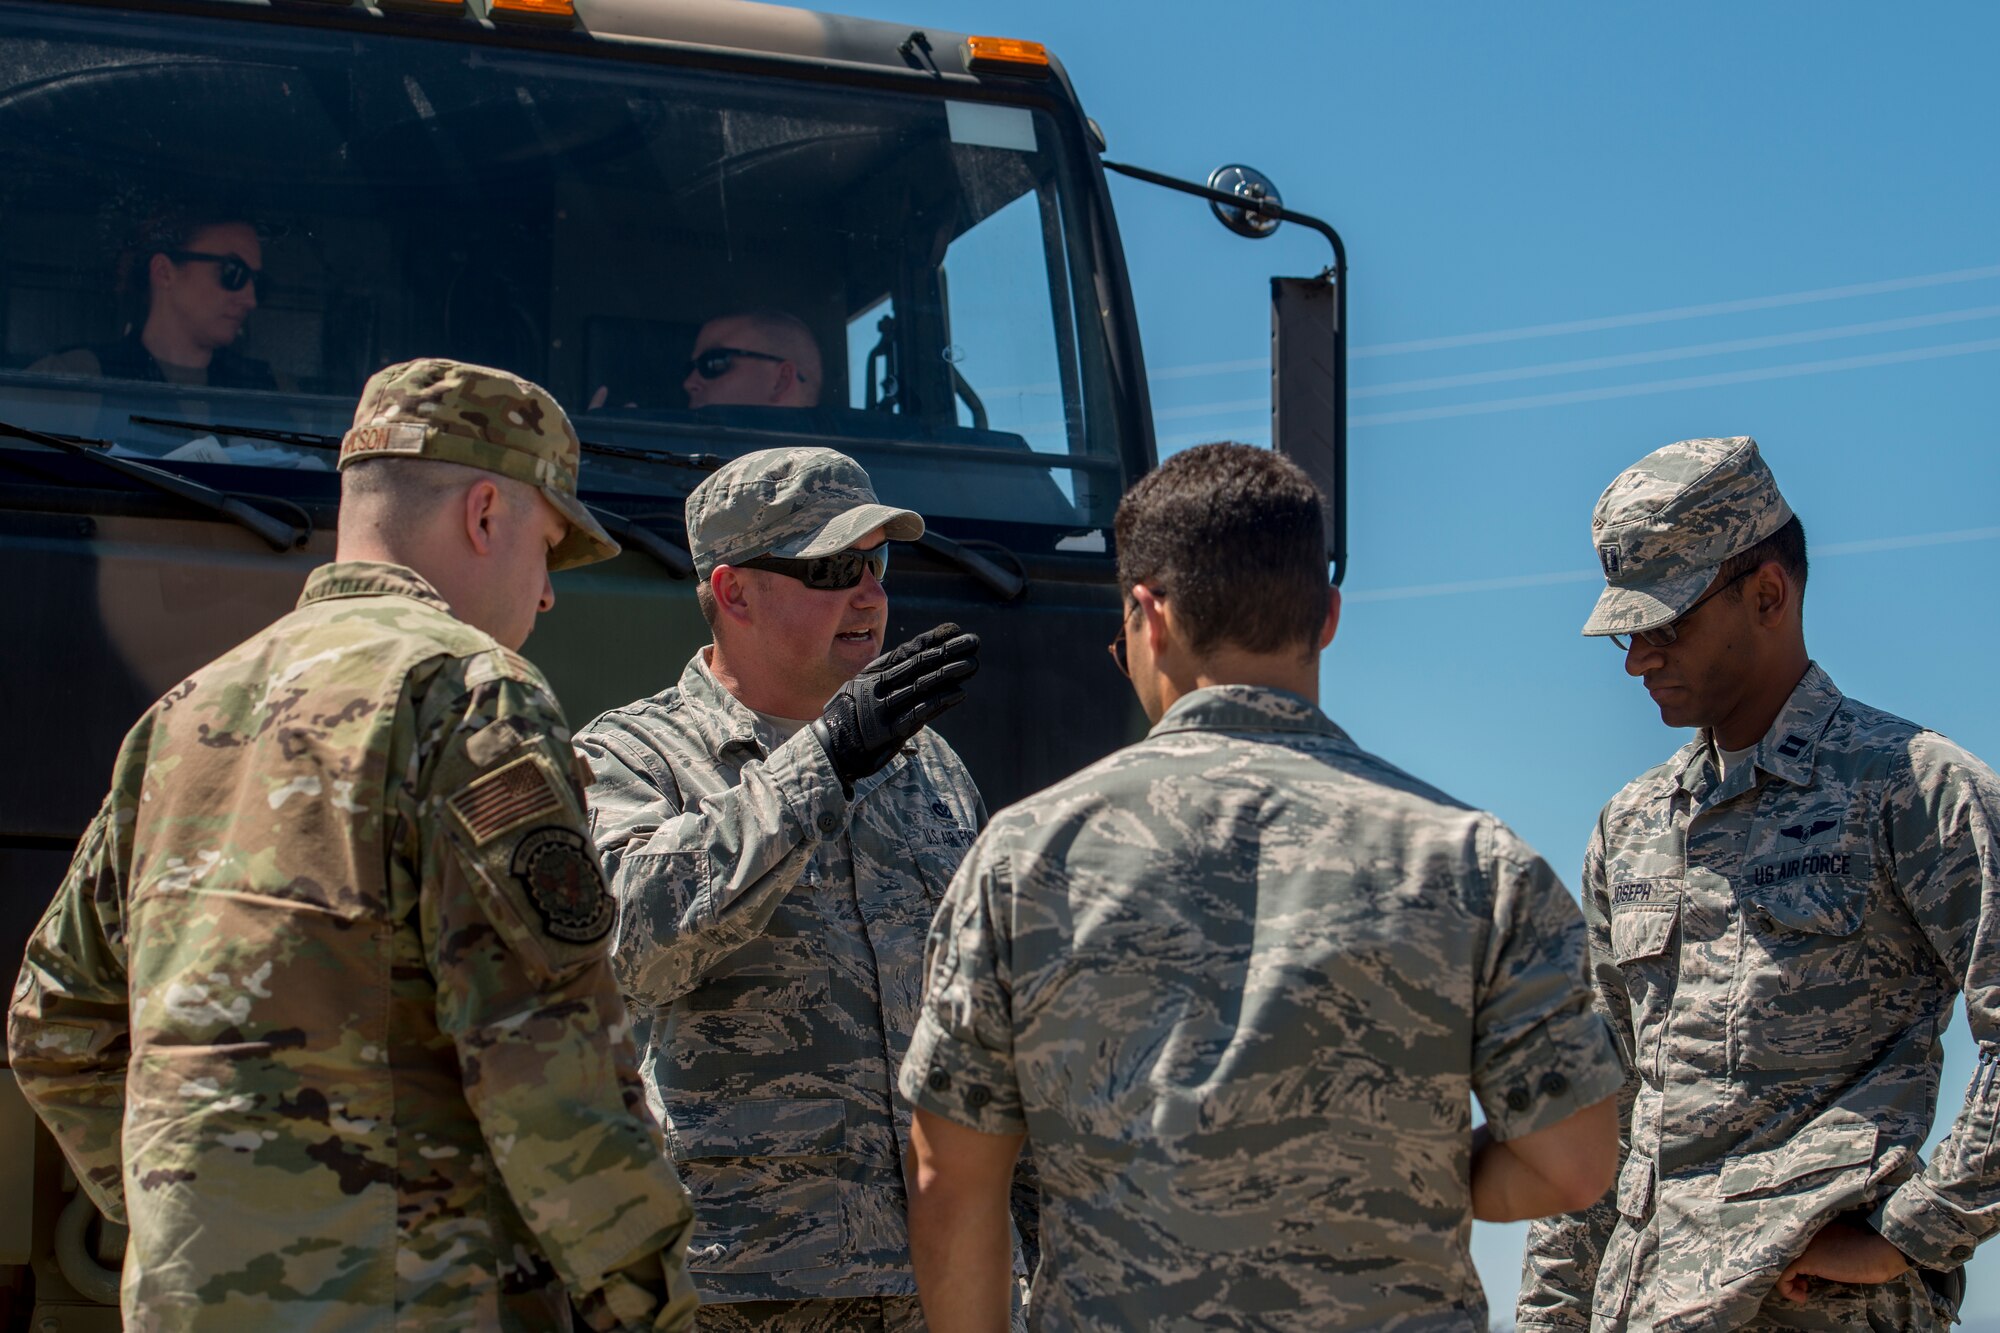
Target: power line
point(1686, 353)
point(1864, 547)
point(1613, 321)
point(1677, 385)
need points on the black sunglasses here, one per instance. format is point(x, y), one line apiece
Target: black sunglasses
point(714, 363)
point(1663, 635)
point(842, 569)
point(233, 273)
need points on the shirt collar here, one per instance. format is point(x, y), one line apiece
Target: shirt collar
point(369, 578)
point(1246, 708)
point(1788, 750)
point(724, 720)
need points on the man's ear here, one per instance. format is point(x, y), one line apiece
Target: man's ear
point(1774, 591)
point(483, 505)
point(785, 380)
point(159, 270)
point(730, 589)
point(1154, 618)
point(1326, 631)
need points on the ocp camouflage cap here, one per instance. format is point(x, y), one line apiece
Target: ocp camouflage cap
point(1665, 525)
point(461, 413)
point(797, 503)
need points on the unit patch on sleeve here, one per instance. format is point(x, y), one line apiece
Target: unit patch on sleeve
point(505, 799)
point(559, 871)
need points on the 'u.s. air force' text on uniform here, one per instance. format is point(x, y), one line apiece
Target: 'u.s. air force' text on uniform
point(374, 1060)
point(1778, 951)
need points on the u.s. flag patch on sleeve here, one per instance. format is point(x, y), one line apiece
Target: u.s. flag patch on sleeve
point(505, 799)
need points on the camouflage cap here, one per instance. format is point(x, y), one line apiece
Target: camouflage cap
point(797, 503)
point(460, 413)
point(1665, 525)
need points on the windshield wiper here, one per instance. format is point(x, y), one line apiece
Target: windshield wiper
point(281, 535)
point(627, 532)
point(306, 439)
point(675, 561)
point(1002, 583)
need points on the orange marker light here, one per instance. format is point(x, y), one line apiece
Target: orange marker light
point(1006, 55)
point(557, 11)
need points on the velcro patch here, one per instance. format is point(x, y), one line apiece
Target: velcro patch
point(494, 739)
point(505, 799)
point(559, 872)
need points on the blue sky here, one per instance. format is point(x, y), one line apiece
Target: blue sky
point(1579, 232)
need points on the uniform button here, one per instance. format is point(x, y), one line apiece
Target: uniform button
point(1961, 1252)
point(977, 1096)
point(827, 821)
point(1518, 1100)
point(1554, 1084)
point(938, 1081)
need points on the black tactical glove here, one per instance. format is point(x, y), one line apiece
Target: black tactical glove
point(891, 700)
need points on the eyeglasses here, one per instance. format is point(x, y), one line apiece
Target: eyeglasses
point(714, 363)
point(842, 569)
point(1665, 634)
point(1117, 646)
point(234, 274)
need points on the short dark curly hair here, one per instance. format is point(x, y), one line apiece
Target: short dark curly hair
point(1236, 537)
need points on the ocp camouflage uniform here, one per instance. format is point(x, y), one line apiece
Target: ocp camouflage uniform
point(1237, 984)
point(770, 943)
point(1778, 952)
point(322, 1007)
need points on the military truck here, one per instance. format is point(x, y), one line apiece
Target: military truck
point(567, 189)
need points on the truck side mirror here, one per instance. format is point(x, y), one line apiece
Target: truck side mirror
point(1307, 404)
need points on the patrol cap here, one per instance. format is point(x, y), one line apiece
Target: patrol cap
point(460, 413)
point(1665, 525)
point(796, 503)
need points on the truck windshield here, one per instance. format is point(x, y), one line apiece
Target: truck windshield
point(213, 231)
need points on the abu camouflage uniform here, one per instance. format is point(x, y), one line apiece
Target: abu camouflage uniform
point(771, 933)
point(1778, 951)
point(770, 943)
point(1237, 984)
point(322, 1007)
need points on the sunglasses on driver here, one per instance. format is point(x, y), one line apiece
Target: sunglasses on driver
point(232, 272)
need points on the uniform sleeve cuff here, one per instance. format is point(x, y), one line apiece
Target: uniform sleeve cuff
point(964, 1083)
point(1560, 1069)
point(1929, 1235)
point(804, 777)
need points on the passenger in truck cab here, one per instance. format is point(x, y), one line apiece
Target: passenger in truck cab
point(760, 358)
point(186, 287)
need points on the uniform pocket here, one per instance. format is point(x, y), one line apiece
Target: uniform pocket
point(764, 1174)
point(1808, 999)
point(1839, 1141)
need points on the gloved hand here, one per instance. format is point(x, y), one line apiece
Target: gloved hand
point(891, 700)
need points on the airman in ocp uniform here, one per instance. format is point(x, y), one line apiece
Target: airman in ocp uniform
point(322, 1007)
point(1780, 918)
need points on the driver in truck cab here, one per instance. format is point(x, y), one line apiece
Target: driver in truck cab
point(187, 285)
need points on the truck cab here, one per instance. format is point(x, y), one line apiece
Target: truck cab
point(571, 192)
